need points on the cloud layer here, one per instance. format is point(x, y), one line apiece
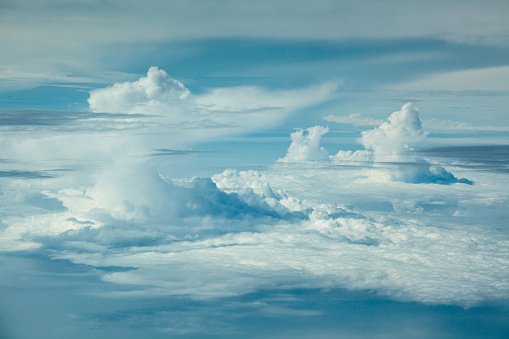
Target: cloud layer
point(237, 233)
point(372, 220)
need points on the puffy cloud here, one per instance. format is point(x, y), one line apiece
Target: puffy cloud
point(390, 144)
point(306, 146)
point(289, 226)
point(155, 93)
point(386, 145)
point(393, 137)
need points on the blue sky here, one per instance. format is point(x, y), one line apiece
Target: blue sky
point(267, 169)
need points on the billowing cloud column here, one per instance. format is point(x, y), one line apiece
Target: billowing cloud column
point(306, 147)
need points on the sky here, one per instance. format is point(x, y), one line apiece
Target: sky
point(268, 169)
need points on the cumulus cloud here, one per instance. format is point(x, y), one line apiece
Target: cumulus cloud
point(305, 145)
point(390, 144)
point(242, 231)
point(155, 93)
point(393, 137)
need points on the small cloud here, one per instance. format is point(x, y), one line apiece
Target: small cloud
point(154, 93)
point(306, 146)
point(403, 128)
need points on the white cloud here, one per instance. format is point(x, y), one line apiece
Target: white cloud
point(389, 143)
point(243, 231)
point(291, 226)
point(393, 137)
point(155, 93)
point(306, 147)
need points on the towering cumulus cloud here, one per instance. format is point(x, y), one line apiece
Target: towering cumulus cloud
point(156, 92)
point(392, 138)
point(386, 146)
point(391, 143)
point(306, 146)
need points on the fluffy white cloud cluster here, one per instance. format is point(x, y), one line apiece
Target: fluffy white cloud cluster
point(391, 142)
point(155, 93)
point(286, 227)
point(306, 147)
point(393, 137)
point(388, 144)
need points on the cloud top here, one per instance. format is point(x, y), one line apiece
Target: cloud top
point(403, 128)
point(147, 93)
